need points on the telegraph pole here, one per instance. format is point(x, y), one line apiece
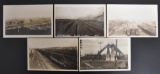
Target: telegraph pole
point(116, 56)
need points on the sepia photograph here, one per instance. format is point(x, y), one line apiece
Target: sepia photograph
point(22, 21)
point(52, 54)
point(80, 20)
point(129, 20)
point(104, 54)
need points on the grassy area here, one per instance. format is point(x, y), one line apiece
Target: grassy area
point(27, 21)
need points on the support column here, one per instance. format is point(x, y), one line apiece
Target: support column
point(113, 54)
point(108, 55)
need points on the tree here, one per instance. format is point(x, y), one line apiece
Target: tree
point(10, 22)
point(20, 24)
point(31, 21)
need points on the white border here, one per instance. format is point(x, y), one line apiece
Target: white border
point(28, 67)
point(26, 36)
point(134, 36)
point(129, 56)
point(80, 36)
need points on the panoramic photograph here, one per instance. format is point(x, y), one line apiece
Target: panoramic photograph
point(124, 20)
point(27, 20)
point(52, 54)
point(104, 54)
point(78, 20)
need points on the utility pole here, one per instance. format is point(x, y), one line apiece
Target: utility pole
point(116, 56)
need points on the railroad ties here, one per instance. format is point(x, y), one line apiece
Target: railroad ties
point(80, 27)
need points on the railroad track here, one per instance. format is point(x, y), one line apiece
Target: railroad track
point(62, 60)
point(146, 31)
point(81, 27)
point(41, 62)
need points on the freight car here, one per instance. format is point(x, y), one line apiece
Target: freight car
point(62, 60)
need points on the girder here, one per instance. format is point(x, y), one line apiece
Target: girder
point(112, 47)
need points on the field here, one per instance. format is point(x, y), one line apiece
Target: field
point(131, 28)
point(60, 57)
point(78, 27)
point(30, 26)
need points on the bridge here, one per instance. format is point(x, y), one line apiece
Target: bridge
point(113, 53)
point(113, 58)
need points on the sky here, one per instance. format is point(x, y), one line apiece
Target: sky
point(92, 46)
point(51, 42)
point(132, 12)
point(77, 11)
point(27, 11)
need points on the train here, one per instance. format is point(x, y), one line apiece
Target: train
point(62, 60)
